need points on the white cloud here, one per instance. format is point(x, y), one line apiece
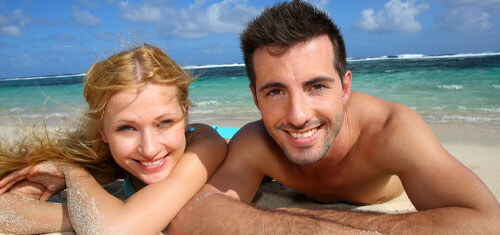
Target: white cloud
point(144, 13)
point(10, 30)
point(85, 17)
point(198, 20)
point(468, 15)
point(319, 3)
point(396, 16)
point(109, 36)
point(13, 24)
point(25, 60)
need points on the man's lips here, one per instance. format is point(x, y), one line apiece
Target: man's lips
point(303, 137)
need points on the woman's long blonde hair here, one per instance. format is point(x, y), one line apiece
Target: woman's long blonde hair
point(83, 145)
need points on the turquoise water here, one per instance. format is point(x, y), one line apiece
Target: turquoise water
point(454, 88)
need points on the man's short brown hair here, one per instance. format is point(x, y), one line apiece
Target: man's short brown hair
point(286, 24)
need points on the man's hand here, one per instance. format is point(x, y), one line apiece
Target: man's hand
point(45, 176)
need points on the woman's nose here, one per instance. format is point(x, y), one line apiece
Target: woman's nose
point(149, 146)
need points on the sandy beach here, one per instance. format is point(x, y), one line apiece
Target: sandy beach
point(477, 147)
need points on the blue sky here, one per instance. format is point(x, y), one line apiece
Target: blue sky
point(67, 36)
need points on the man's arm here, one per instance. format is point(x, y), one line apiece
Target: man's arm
point(449, 197)
point(221, 206)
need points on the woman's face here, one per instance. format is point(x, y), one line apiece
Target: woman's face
point(145, 131)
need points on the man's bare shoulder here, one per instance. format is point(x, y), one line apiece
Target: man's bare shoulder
point(387, 128)
point(374, 115)
point(252, 142)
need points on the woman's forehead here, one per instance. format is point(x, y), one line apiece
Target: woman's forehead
point(150, 99)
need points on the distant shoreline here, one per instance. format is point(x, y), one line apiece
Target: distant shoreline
point(358, 59)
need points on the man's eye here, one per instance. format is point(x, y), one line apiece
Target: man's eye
point(125, 128)
point(274, 92)
point(318, 87)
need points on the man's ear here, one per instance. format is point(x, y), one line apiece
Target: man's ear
point(346, 88)
point(254, 94)
point(103, 135)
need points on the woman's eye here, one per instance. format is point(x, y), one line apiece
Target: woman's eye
point(125, 128)
point(165, 123)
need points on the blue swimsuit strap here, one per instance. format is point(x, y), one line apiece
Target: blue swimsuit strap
point(128, 187)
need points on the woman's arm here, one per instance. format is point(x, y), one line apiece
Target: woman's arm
point(23, 208)
point(93, 210)
point(24, 215)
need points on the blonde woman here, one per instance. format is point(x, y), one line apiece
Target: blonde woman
point(137, 129)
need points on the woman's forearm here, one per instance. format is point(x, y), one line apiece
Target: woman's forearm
point(94, 211)
point(23, 215)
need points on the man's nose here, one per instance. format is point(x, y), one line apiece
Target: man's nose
point(299, 110)
point(149, 146)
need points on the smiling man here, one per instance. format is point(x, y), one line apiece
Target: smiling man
point(321, 140)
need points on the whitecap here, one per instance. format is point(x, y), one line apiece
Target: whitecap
point(451, 87)
point(209, 102)
point(16, 110)
point(213, 66)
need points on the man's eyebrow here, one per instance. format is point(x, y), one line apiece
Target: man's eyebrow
point(272, 85)
point(317, 79)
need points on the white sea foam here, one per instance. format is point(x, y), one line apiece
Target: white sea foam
point(411, 56)
point(209, 102)
point(212, 66)
point(368, 59)
point(421, 56)
point(490, 110)
point(42, 77)
point(16, 110)
point(451, 87)
point(473, 119)
point(496, 86)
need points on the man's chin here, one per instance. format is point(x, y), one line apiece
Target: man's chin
point(303, 157)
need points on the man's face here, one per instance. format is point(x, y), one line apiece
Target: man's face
point(300, 97)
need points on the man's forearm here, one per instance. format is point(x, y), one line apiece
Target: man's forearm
point(454, 220)
point(213, 213)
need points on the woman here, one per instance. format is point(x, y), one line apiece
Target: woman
point(137, 128)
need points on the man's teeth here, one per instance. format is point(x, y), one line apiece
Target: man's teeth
point(298, 135)
point(154, 163)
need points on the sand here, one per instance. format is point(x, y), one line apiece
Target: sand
point(476, 146)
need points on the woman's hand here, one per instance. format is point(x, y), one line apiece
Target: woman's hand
point(43, 179)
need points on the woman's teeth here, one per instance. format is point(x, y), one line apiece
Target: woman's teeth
point(153, 163)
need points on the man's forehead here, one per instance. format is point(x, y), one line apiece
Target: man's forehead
point(307, 60)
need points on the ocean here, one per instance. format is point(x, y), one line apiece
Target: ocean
point(463, 88)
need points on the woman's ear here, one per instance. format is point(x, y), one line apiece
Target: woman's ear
point(103, 135)
point(186, 115)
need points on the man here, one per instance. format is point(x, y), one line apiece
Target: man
point(321, 140)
